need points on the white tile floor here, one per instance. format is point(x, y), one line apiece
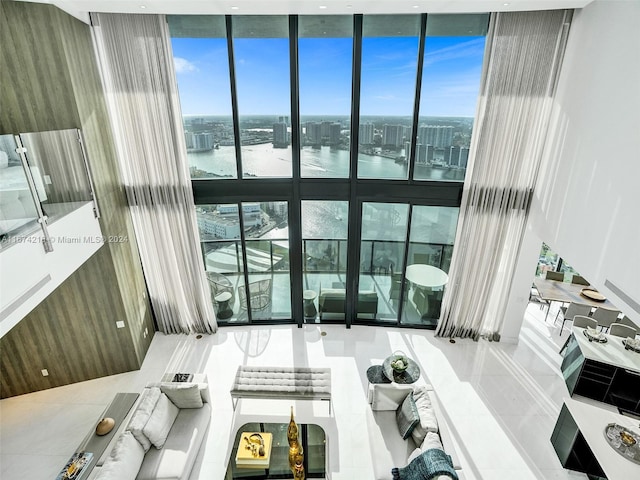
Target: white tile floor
point(502, 400)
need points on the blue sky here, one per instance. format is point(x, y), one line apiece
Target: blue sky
point(450, 82)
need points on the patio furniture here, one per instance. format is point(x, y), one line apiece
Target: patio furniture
point(332, 300)
point(218, 284)
point(259, 294)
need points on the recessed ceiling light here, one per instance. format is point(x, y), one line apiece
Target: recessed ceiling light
point(234, 8)
point(349, 6)
point(416, 6)
point(506, 4)
point(322, 7)
point(143, 6)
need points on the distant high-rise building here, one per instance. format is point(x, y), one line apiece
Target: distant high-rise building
point(437, 135)
point(283, 119)
point(394, 135)
point(199, 142)
point(280, 135)
point(313, 132)
point(365, 133)
point(334, 133)
point(464, 157)
point(421, 153)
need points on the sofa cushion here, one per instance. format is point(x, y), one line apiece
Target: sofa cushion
point(431, 440)
point(183, 395)
point(428, 420)
point(160, 422)
point(407, 416)
point(140, 417)
point(203, 387)
point(175, 460)
point(124, 461)
point(388, 396)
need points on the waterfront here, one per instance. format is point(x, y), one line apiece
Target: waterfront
point(265, 161)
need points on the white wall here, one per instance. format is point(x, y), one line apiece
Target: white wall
point(29, 274)
point(587, 203)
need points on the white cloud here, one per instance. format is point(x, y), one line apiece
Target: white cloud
point(183, 65)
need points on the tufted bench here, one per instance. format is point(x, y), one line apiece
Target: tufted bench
point(297, 383)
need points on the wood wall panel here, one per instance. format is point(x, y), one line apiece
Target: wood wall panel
point(50, 81)
point(72, 334)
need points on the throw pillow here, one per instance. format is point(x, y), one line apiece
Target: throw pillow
point(431, 440)
point(407, 416)
point(140, 417)
point(430, 465)
point(183, 396)
point(124, 461)
point(428, 420)
point(388, 396)
point(161, 420)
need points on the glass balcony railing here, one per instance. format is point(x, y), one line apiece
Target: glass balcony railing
point(43, 177)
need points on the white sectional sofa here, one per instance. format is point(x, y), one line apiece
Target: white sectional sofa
point(162, 437)
point(388, 449)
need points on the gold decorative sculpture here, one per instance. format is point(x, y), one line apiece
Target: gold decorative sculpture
point(296, 458)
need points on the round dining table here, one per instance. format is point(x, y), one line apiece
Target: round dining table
point(426, 275)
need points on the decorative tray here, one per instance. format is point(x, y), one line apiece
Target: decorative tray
point(632, 345)
point(624, 441)
point(592, 295)
point(594, 335)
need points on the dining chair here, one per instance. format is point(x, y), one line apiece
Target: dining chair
point(620, 330)
point(580, 321)
point(605, 317)
point(578, 280)
point(534, 297)
point(584, 321)
point(571, 311)
point(549, 275)
point(627, 321)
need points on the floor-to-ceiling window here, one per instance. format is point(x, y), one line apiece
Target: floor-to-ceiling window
point(327, 157)
point(261, 54)
point(387, 91)
point(325, 45)
point(452, 66)
point(202, 69)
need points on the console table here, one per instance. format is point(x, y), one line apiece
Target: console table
point(97, 444)
point(580, 443)
point(605, 372)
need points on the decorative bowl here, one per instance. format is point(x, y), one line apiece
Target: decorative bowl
point(400, 364)
point(627, 438)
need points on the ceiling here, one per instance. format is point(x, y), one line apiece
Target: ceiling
point(81, 8)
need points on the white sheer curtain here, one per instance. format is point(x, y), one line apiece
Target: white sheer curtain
point(138, 74)
point(523, 57)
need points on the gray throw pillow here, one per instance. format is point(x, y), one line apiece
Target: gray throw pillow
point(407, 416)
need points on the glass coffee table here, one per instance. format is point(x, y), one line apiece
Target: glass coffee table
point(312, 438)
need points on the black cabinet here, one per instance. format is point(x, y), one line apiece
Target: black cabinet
point(600, 381)
point(571, 447)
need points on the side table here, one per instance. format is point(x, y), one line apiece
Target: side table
point(310, 310)
point(410, 375)
point(222, 301)
point(375, 374)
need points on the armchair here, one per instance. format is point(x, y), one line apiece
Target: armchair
point(259, 294)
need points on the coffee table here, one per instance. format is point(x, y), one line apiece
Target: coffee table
point(312, 438)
